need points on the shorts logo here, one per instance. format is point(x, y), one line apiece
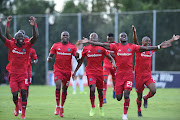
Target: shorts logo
point(99, 51)
point(90, 79)
point(69, 49)
point(55, 77)
point(129, 50)
point(23, 50)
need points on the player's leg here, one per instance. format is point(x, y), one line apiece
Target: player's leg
point(20, 101)
point(99, 85)
point(106, 73)
point(113, 73)
point(92, 99)
point(24, 102)
point(152, 87)
point(74, 85)
point(15, 100)
point(139, 101)
point(57, 94)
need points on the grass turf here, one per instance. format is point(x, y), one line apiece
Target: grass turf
point(165, 105)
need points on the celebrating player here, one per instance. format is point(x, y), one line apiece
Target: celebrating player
point(108, 69)
point(19, 63)
point(143, 71)
point(124, 59)
point(62, 68)
point(80, 72)
point(94, 71)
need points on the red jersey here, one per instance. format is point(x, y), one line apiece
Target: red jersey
point(32, 55)
point(124, 56)
point(143, 62)
point(63, 55)
point(107, 62)
point(18, 56)
point(94, 56)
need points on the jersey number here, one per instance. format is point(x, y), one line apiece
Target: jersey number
point(129, 83)
point(26, 81)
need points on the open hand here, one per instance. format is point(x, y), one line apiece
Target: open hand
point(32, 21)
point(133, 28)
point(176, 37)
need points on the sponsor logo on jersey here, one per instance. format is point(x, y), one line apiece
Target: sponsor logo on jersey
point(143, 54)
point(94, 55)
point(62, 53)
point(124, 54)
point(89, 51)
point(17, 52)
point(99, 51)
point(69, 49)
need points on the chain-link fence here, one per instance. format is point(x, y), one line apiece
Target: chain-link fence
point(158, 25)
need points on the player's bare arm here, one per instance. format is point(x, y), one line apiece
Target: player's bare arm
point(80, 61)
point(50, 57)
point(77, 56)
point(174, 38)
point(3, 38)
point(104, 45)
point(9, 19)
point(35, 32)
point(135, 39)
point(112, 60)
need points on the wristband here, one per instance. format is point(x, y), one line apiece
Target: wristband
point(159, 47)
point(35, 24)
point(8, 24)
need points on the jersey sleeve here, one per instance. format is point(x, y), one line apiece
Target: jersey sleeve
point(136, 48)
point(74, 50)
point(84, 51)
point(53, 50)
point(113, 47)
point(8, 43)
point(34, 55)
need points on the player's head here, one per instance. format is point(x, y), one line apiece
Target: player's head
point(79, 45)
point(23, 32)
point(19, 37)
point(93, 37)
point(65, 37)
point(123, 37)
point(110, 38)
point(146, 41)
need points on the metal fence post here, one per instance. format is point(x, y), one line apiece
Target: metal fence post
point(154, 41)
point(79, 26)
point(116, 26)
point(15, 24)
point(46, 44)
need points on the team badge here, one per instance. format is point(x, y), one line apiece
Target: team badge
point(55, 77)
point(23, 50)
point(129, 49)
point(150, 52)
point(99, 51)
point(90, 79)
point(69, 49)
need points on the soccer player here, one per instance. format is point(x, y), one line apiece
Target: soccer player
point(80, 72)
point(124, 59)
point(143, 71)
point(94, 71)
point(19, 63)
point(108, 69)
point(63, 52)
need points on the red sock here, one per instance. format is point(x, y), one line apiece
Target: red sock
point(104, 90)
point(126, 105)
point(149, 95)
point(100, 101)
point(138, 105)
point(27, 93)
point(92, 101)
point(20, 101)
point(63, 98)
point(24, 108)
point(57, 93)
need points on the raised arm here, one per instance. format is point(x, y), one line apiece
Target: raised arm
point(135, 39)
point(3, 38)
point(112, 60)
point(80, 61)
point(9, 19)
point(174, 38)
point(104, 45)
point(34, 30)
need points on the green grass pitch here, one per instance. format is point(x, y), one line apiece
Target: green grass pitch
point(165, 105)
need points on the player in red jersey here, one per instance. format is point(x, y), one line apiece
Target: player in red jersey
point(63, 52)
point(124, 59)
point(108, 69)
point(143, 71)
point(19, 62)
point(94, 71)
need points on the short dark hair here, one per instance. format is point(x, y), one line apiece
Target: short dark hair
point(110, 35)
